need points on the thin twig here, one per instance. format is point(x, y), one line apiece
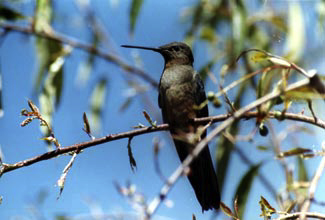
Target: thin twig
point(83, 46)
point(312, 189)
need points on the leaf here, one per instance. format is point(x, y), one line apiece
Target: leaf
point(238, 25)
point(10, 14)
point(134, 12)
point(302, 93)
point(148, 118)
point(244, 188)
point(302, 171)
point(132, 161)
point(227, 211)
point(85, 67)
point(125, 104)
point(296, 34)
point(293, 152)
point(208, 34)
point(266, 208)
point(263, 148)
point(97, 102)
point(86, 123)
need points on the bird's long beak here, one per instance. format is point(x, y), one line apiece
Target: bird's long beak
point(142, 48)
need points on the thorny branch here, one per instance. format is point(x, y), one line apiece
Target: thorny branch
point(83, 46)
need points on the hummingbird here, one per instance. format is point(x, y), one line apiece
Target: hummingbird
point(180, 90)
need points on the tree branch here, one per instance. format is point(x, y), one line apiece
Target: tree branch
point(111, 137)
point(297, 214)
point(83, 46)
point(313, 185)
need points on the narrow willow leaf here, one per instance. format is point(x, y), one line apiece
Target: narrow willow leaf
point(148, 118)
point(293, 152)
point(244, 188)
point(132, 161)
point(296, 34)
point(302, 170)
point(263, 148)
point(97, 103)
point(227, 211)
point(266, 204)
point(134, 12)
point(238, 25)
point(86, 123)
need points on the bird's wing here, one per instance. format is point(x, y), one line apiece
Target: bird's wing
point(200, 96)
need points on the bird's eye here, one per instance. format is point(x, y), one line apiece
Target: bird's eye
point(176, 48)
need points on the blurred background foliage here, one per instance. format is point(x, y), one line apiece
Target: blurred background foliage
point(222, 28)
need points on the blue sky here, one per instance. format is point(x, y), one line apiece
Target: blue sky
point(89, 187)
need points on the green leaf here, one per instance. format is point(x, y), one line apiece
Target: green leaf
point(293, 152)
point(244, 188)
point(208, 34)
point(238, 25)
point(134, 12)
point(266, 208)
point(302, 171)
point(97, 102)
point(10, 14)
point(296, 34)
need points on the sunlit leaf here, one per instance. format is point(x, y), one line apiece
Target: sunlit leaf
point(279, 61)
point(296, 34)
point(227, 211)
point(97, 102)
point(9, 14)
point(134, 12)
point(238, 25)
point(302, 170)
point(263, 148)
point(208, 34)
point(266, 208)
point(302, 93)
point(293, 152)
point(244, 188)
point(85, 67)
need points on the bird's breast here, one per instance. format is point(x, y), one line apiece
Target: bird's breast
point(178, 94)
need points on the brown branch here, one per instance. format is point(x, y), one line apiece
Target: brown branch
point(83, 46)
point(297, 214)
point(62, 150)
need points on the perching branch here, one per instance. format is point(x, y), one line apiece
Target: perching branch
point(112, 137)
point(83, 46)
